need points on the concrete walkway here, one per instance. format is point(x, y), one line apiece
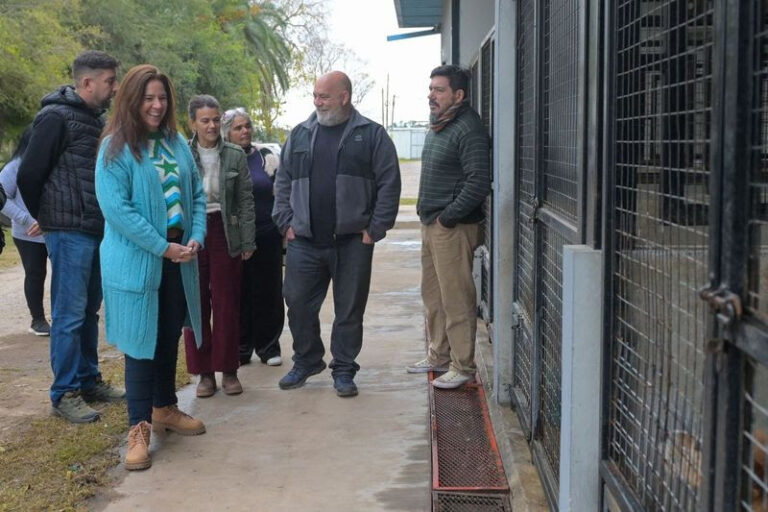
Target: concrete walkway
point(307, 449)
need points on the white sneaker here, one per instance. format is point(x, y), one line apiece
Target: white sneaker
point(275, 361)
point(452, 380)
point(425, 366)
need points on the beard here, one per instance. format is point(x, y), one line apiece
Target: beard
point(332, 117)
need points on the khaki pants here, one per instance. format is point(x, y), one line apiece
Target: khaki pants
point(448, 292)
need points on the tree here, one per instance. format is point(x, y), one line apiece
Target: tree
point(38, 50)
point(184, 38)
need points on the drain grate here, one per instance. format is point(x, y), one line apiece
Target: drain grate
point(467, 472)
point(463, 502)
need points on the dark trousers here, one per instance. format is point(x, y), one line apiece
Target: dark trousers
point(152, 382)
point(220, 276)
point(308, 271)
point(34, 258)
point(262, 313)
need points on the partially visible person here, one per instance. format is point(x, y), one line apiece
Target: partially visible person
point(262, 313)
point(2, 234)
point(56, 181)
point(229, 242)
point(336, 195)
point(28, 238)
point(455, 180)
point(153, 202)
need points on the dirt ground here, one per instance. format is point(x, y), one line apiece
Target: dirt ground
point(25, 372)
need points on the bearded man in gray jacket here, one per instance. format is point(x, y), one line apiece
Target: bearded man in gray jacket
point(336, 194)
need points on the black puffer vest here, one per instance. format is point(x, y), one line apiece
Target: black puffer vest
point(68, 200)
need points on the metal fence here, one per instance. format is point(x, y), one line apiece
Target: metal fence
point(550, 74)
point(660, 249)
point(685, 381)
point(482, 79)
point(682, 139)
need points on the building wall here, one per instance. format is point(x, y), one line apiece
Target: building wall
point(445, 38)
point(476, 22)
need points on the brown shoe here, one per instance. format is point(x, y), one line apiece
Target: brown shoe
point(137, 456)
point(231, 384)
point(171, 418)
point(207, 385)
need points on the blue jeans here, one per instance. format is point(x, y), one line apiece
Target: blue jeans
point(308, 271)
point(75, 303)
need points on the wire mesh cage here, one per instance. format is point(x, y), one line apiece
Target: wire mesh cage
point(526, 142)
point(486, 114)
point(754, 478)
point(551, 344)
point(662, 83)
point(560, 124)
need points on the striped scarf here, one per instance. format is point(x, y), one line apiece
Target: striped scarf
point(446, 117)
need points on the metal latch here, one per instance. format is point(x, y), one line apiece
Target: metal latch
point(535, 207)
point(724, 302)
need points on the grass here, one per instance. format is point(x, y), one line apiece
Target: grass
point(407, 201)
point(10, 256)
point(55, 465)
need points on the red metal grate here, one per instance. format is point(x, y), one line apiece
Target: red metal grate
point(465, 456)
point(463, 502)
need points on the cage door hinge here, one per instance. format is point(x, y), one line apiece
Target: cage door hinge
point(725, 304)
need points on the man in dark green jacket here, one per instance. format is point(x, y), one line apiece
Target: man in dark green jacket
point(455, 180)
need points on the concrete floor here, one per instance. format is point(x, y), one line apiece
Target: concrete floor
point(307, 449)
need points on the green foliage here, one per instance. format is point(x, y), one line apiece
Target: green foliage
point(181, 37)
point(37, 50)
point(244, 52)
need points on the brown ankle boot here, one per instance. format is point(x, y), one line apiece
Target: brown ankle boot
point(207, 385)
point(171, 418)
point(137, 456)
point(231, 384)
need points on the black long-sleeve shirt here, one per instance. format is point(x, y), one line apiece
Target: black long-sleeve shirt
point(44, 149)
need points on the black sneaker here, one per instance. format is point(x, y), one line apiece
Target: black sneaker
point(298, 376)
point(345, 385)
point(40, 327)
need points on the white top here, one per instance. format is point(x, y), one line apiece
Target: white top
point(211, 162)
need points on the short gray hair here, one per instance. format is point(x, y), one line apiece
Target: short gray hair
point(228, 119)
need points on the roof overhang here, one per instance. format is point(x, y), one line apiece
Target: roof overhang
point(419, 13)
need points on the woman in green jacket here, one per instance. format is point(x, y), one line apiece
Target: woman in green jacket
point(229, 241)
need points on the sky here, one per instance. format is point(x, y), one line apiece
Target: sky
point(364, 25)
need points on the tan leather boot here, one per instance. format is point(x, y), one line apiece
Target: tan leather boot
point(171, 418)
point(231, 384)
point(137, 456)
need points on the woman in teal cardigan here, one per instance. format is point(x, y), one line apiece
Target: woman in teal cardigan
point(154, 207)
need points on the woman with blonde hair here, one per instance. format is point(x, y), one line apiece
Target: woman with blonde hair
point(154, 207)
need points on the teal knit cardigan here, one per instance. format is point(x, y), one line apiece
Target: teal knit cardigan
point(131, 198)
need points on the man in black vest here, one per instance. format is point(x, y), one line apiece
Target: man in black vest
point(336, 194)
point(56, 181)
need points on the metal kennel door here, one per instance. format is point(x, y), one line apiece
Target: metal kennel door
point(549, 192)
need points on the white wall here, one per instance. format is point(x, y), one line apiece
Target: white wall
point(476, 22)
